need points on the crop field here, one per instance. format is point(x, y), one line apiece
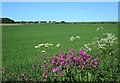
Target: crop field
point(19, 42)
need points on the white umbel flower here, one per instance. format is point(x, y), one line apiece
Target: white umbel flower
point(43, 51)
point(41, 45)
point(50, 44)
point(36, 46)
point(58, 45)
point(78, 37)
point(89, 49)
point(98, 29)
point(72, 38)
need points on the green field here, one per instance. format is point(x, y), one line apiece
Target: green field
point(22, 61)
point(19, 41)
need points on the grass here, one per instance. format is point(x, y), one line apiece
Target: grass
point(19, 41)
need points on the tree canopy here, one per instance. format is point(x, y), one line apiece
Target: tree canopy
point(7, 20)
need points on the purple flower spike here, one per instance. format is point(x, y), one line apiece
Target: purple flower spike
point(66, 60)
point(82, 52)
point(53, 60)
point(95, 62)
point(67, 57)
point(83, 66)
point(56, 69)
point(73, 53)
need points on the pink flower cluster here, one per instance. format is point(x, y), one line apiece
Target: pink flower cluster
point(56, 69)
point(84, 59)
point(61, 60)
point(66, 59)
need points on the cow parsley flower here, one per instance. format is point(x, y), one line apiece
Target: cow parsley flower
point(106, 41)
point(58, 45)
point(50, 44)
point(87, 47)
point(46, 45)
point(98, 29)
point(72, 38)
point(43, 51)
point(40, 45)
point(36, 46)
point(78, 37)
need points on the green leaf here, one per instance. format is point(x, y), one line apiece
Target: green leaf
point(89, 76)
point(101, 78)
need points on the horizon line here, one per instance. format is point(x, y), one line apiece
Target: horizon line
point(61, 20)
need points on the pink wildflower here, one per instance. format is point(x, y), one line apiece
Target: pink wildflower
point(56, 69)
point(61, 73)
point(89, 56)
point(95, 62)
point(61, 57)
point(73, 53)
point(82, 52)
point(67, 57)
point(53, 60)
point(3, 69)
point(83, 66)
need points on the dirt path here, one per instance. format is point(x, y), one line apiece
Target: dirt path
point(10, 24)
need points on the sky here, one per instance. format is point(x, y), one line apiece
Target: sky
point(60, 11)
point(60, 0)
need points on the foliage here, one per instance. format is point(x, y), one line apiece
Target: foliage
point(7, 20)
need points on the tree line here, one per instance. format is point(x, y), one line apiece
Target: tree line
point(8, 20)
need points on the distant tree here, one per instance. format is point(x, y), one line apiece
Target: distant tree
point(30, 22)
point(62, 22)
point(36, 22)
point(50, 22)
point(23, 22)
point(57, 22)
point(7, 20)
point(44, 22)
point(17, 22)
